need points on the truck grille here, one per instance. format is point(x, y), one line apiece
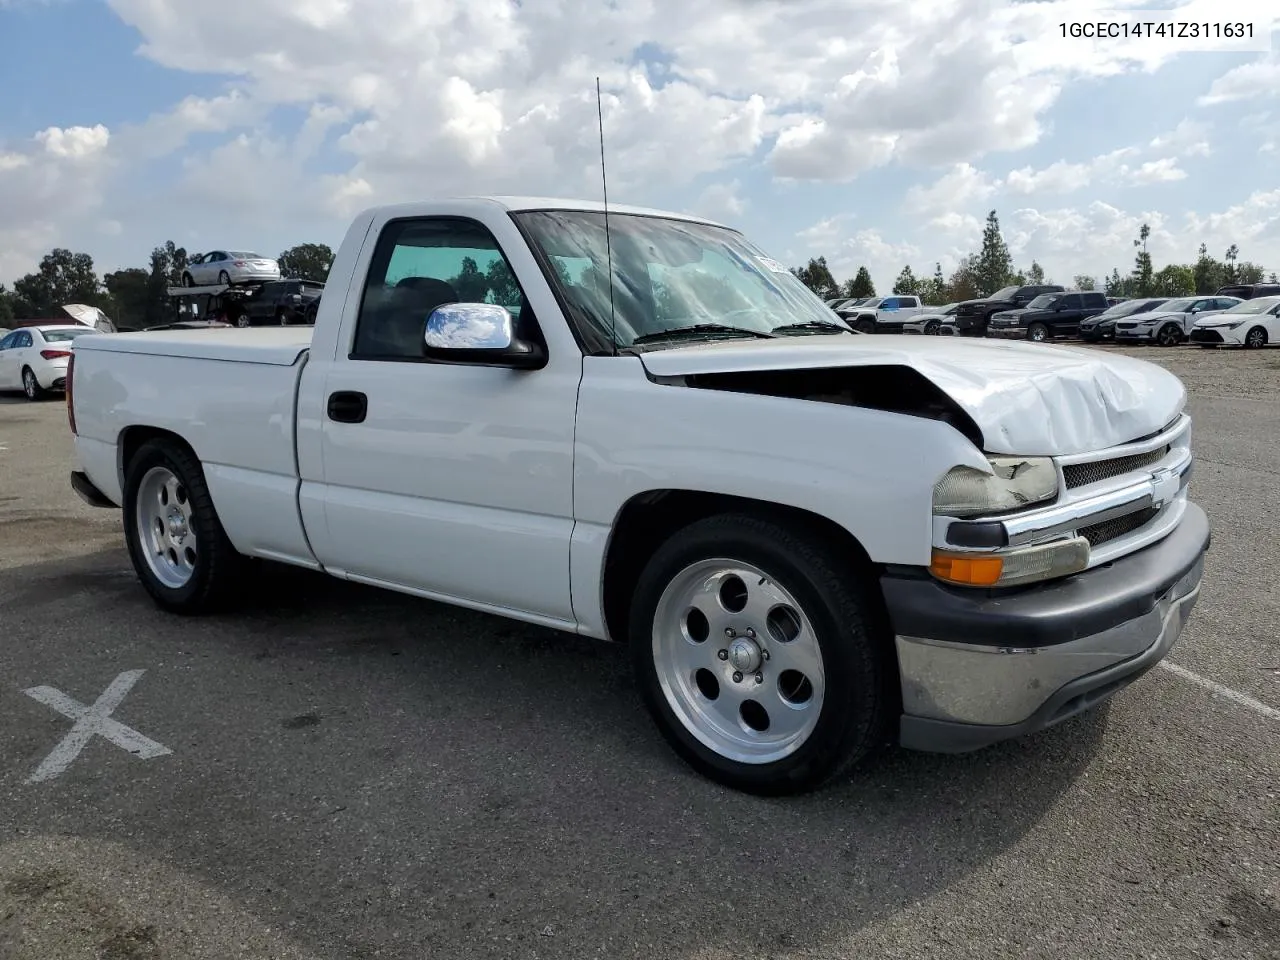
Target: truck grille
point(1082, 474)
point(1100, 533)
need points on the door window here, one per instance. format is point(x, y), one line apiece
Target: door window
point(421, 264)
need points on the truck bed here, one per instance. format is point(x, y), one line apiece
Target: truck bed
point(279, 346)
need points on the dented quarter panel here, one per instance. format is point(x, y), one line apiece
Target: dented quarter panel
point(1027, 399)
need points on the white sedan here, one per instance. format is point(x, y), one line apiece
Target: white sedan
point(930, 322)
point(1252, 324)
point(34, 359)
point(227, 267)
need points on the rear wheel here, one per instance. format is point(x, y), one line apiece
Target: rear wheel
point(1255, 339)
point(866, 326)
point(224, 278)
point(31, 386)
point(754, 649)
point(1170, 335)
point(177, 544)
point(1037, 332)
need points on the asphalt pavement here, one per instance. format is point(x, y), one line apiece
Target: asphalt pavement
point(340, 772)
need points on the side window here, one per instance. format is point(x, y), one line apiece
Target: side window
point(1092, 300)
point(889, 303)
point(1223, 303)
point(23, 339)
point(421, 264)
point(1070, 301)
point(7, 341)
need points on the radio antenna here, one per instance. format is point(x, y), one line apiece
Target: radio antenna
point(608, 241)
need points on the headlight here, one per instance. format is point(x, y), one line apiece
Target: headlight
point(1013, 483)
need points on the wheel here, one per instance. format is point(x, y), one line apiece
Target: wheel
point(1037, 332)
point(188, 280)
point(282, 318)
point(866, 326)
point(242, 320)
point(931, 328)
point(31, 386)
point(1170, 335)
point(1255, 339)
point(224, 277)
point(753, 648)
point(176, 542)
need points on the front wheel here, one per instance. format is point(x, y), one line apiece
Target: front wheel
point(1255, 339)
point(931, 328)
point(224, 278)
point(1038, 332)
point(1169, 335)
point(176, 542)
point(866, 326)
point(754, 649)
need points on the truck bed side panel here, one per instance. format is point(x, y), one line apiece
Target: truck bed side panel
point(238, 417)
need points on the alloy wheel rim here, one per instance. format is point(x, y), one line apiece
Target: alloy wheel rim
point(166, 527)
point(738, 661)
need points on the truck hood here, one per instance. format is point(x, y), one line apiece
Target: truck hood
point(1027, 399)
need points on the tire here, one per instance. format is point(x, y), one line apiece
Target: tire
point(1170, 335)
point(865, 326)
point(931, 328)
point(1255, 339)
point(31, 386)
point(224, 278)
point(1038, 332)
point(243, 320)
point(192, 574)
point(850, 676)
point(282, 318)
point(188, 280)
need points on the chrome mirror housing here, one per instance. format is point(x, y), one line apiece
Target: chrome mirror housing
point(469, 327)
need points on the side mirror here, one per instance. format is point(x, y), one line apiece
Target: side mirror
point(480, 333)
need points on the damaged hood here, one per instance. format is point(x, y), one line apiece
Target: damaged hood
point(1027, 399)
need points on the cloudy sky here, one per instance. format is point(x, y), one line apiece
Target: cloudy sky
point(876, 132)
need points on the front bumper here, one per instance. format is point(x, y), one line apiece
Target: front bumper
point(978, 667)
point(1222, 335)
point(1137, 333)
point(1007, 333)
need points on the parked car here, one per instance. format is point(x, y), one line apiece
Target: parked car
point(1171, 322)
point(1048, 316)
point(848, 303)
point(929, 323)
point(1103, 326)
point(278, 302)
point(34, 359)
point(882, 314)
point(222, 267)
point(1114, 301)
point(548, 459)
point(972, 316)
point(1250, 291)
point(1250, 323)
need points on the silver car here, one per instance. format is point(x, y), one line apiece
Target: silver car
point(226, 267)
point(1171, 322)
point(931, 321)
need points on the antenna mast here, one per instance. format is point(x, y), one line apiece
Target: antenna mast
point(608, 241)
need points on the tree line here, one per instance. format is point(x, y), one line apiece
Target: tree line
point(133, 297)
point(991, 268)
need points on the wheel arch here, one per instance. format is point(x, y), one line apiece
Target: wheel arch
point(131, 439)
point(649, 518)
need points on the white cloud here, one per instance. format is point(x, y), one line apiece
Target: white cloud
point(962, 187)
point(1190, 138)
point(722, 202)
point(1156, 171)
point(1258, 79)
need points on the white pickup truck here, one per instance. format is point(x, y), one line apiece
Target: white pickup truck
point(642, 429)
point(884, 314)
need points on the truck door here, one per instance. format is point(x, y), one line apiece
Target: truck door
point(452, 480)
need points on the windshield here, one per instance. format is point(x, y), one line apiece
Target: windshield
point(1044, 301)
point(1175, 306)
point(1252, 307)
point(58, 336)
point(1004, 294)
point(667, 275)
point(1131, 306)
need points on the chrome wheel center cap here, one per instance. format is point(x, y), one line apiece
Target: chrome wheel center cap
point(744, 655)
point(177, 526)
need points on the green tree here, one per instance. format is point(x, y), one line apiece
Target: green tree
point(816, 275)
point(1230, 258)
point(6, 306)
point(995, 265)
point(1035, 274)
point(1174, 280)
point(964, 283)
point(306, 261)
point(503, 288)
point(133, 297)
point(861, 285)
point(470, 284)
point(62, 277)
point(1210, 275)
point(906, 282)
point(1082, 281)
point(1142, 270)
point(1249, 272)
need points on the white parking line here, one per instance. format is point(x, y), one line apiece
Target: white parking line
point(92, 721)
point(1235, 696)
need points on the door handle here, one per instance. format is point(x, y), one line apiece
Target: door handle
point(348, 406)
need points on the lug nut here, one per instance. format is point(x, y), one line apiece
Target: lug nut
point(737, 677)
point(751, 633)
point(730, 632)
point(764, 654)
point(759, 678)
point(723, 654)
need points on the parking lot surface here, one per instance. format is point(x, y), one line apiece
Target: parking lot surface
point(338, 772)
